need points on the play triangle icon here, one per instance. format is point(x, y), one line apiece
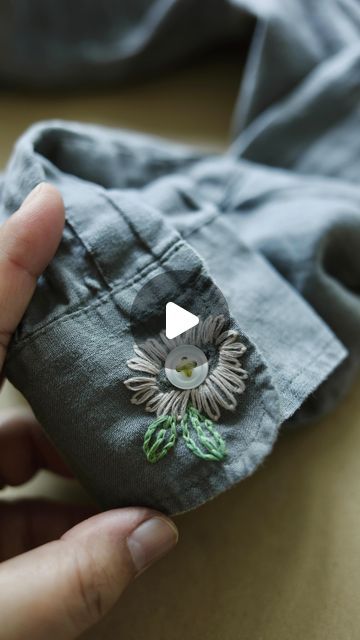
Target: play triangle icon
point(178, 320)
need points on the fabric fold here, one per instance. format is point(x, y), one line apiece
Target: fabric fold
point(273, 223)
point(70, 352)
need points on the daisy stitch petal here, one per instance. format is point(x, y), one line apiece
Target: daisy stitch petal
point(220, 390)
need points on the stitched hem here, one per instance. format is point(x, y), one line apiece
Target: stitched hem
point(99, 299)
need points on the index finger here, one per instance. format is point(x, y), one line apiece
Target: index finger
point(25, 448)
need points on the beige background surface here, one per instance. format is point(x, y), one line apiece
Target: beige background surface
point(278, 556)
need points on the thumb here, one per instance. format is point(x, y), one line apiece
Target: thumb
point(28, 241)
point(59, 590)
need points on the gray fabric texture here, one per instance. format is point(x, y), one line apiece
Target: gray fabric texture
point(274, 222)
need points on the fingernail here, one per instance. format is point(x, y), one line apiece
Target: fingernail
point(150, 541)
point(33, 194)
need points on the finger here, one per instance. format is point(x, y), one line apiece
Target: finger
point(24, 449)
point(28, 241)
point(59, 590)
point(26, 524)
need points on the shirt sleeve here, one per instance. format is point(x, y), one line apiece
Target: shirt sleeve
point(70, 354)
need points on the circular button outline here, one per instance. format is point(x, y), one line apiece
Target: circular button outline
point(176, 378)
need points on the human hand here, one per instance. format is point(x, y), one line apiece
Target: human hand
point(61, 588)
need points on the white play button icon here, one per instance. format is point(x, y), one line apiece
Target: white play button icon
point(178, 320)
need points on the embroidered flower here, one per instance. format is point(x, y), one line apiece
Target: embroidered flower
point(184, 408)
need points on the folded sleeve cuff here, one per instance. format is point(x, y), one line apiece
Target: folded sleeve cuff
point(69, 356)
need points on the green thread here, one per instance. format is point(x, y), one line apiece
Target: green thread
point(213, 446)
point(161, 436)
point(186, 367)
point(165, 438)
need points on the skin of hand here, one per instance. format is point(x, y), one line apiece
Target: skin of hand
point(63, 567)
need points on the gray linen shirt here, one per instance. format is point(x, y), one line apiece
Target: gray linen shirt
point(274, 222)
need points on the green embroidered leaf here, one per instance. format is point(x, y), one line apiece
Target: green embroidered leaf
point(201, 437)
point(159, 438)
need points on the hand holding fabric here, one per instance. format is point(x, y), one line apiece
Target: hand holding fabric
point(61, 588)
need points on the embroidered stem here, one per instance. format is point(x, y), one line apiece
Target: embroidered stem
point(164, 430)
point(213, 446)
